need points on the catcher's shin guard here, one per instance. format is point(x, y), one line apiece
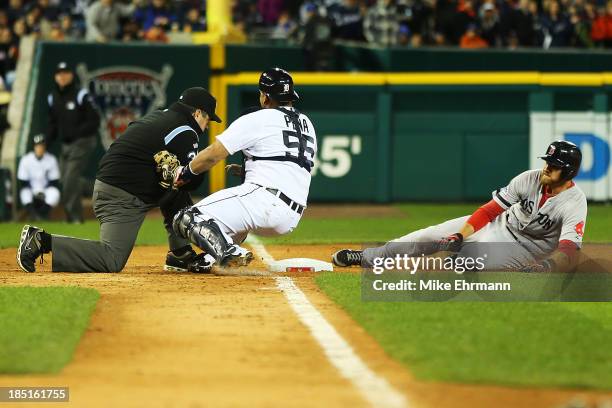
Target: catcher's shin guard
point(184, 220)
point(208, 236)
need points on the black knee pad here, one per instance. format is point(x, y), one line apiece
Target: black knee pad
point(208, 236)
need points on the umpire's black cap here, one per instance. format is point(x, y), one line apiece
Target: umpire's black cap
point(63, 66)
point(278, 85)
point(199, 98)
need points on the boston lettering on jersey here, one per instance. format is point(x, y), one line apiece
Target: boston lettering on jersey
point(292, 119)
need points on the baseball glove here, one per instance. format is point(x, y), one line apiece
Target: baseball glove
point(166, 165)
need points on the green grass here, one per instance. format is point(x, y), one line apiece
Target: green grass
point(41, 327)
point(349, 230)
point(525, 344)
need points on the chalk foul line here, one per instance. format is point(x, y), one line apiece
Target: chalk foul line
point(374, 388)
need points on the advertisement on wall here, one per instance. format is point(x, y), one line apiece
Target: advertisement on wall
point(591, 132)
point(124, 94)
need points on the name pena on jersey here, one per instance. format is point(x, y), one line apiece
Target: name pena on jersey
point(303, 124)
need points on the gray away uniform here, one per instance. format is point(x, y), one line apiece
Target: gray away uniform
point(524, 233)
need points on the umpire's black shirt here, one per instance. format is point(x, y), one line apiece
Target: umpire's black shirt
point(128, 164)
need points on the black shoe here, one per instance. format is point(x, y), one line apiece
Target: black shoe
point(29, 248)
point(176, 263)
point(347, 257)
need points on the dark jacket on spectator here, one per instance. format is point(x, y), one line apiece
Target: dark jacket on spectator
point(71, 114)
point(348, 22)
point(557, 31)
point(146, 16)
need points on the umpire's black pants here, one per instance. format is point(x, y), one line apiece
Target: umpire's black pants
point(120, 214)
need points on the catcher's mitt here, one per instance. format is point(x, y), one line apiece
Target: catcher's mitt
point(166, 165)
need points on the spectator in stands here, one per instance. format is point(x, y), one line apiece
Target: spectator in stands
point(71, 31)
point(32, 19)
point(348, 19)
point(74, 120)
point(157, 14)
point(130, 31)
point(47, 11)
point(15, 10)
point(246, 15)
point(465, 16)
point(582, 28)
point(471, 39)
point(194, 21)
point(5, 46)
point(556, 29)
point(601, 30)
point(270, 10)
point(156, 34)
point(444, 29)
point(489, 25)
point(418, 15)
point(285, 27)
point(381, 23)
point(403, 35)
point(38, 175)
point(55, 32)
point(103, 17)
point(317, 41)
point(525, 23)
point(4, 20)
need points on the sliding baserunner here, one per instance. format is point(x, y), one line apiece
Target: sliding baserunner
point(535, 223)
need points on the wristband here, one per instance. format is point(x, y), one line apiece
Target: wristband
point(191, 170)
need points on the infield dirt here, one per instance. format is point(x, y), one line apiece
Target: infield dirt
point(160, 339)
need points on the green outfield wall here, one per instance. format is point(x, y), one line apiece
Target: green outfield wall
point(445, 128)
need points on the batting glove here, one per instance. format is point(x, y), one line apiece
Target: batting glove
point(183, 176)
point(451, 243)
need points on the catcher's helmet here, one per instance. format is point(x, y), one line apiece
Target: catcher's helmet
point(565, 155)
point(278, 85)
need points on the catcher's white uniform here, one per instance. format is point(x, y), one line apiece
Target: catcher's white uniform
point(38, 173)
point(530, 228)
point(274, 194)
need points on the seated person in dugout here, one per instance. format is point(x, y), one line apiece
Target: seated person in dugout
point(534, 224)
point(38, 176)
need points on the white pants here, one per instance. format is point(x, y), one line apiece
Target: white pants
point(245, 208)
point(52, 196)
point(502, 249)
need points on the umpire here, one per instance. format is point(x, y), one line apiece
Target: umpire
point(72, 119)
point(126, 187)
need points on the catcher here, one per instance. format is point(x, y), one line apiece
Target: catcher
point(534, 224)
point(134, 176)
